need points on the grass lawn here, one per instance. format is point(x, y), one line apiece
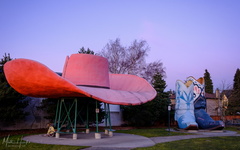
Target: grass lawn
point(233, 128)
point(213, 143)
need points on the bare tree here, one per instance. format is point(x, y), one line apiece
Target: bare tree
point(223, 94)
point(225, 86)
point(116, 55)
point(152, 69)
point(131, 60)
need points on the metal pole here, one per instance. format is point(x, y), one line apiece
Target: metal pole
point(169, 109)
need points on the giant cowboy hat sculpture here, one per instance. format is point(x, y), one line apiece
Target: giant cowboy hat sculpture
point(83, 75)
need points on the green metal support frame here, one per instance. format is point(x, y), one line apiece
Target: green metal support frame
point(63, 115)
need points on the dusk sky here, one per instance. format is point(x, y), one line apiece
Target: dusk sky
point(188, 36)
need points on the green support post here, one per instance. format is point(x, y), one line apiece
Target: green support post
point(87, 117)
point(106, 115)
point(55, 120)
point(96, 117)
point(59, 115)
point(109, 118)
point(75, 121)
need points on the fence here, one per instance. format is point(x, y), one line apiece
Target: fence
point(226, 117)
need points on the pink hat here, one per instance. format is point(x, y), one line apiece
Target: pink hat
point(83, 75)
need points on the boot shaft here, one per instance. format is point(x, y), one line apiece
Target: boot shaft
point(198, 92)
point(184, 108)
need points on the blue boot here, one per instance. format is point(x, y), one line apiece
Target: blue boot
point(202, 118)
point(184, 108)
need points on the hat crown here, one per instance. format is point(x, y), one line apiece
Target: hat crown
point(87, 70)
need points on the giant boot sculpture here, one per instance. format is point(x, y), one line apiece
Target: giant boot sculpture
point(202, 118)
point(184, 108)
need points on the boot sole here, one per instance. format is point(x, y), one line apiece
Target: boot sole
point(191, 127)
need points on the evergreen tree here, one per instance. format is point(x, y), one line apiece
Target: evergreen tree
point(208, 82)
point(234, 99)
point(236, 80)
point(83, 51)
point(12, 103)
point(162, 98)
point(151, 112)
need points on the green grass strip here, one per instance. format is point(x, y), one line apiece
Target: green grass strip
point(213, 143)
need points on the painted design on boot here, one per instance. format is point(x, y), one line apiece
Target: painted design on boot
point(184, 108)
point(202, 117)
point(198, 86)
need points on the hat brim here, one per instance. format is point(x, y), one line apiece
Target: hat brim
point(34, 79)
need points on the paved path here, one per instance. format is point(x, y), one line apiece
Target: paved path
point(119, 141)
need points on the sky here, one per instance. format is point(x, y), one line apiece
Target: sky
point(187, 36)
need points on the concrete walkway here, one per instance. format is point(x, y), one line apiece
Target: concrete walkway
point(119, 141)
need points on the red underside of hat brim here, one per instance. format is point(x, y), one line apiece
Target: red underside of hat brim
point(34, 79)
